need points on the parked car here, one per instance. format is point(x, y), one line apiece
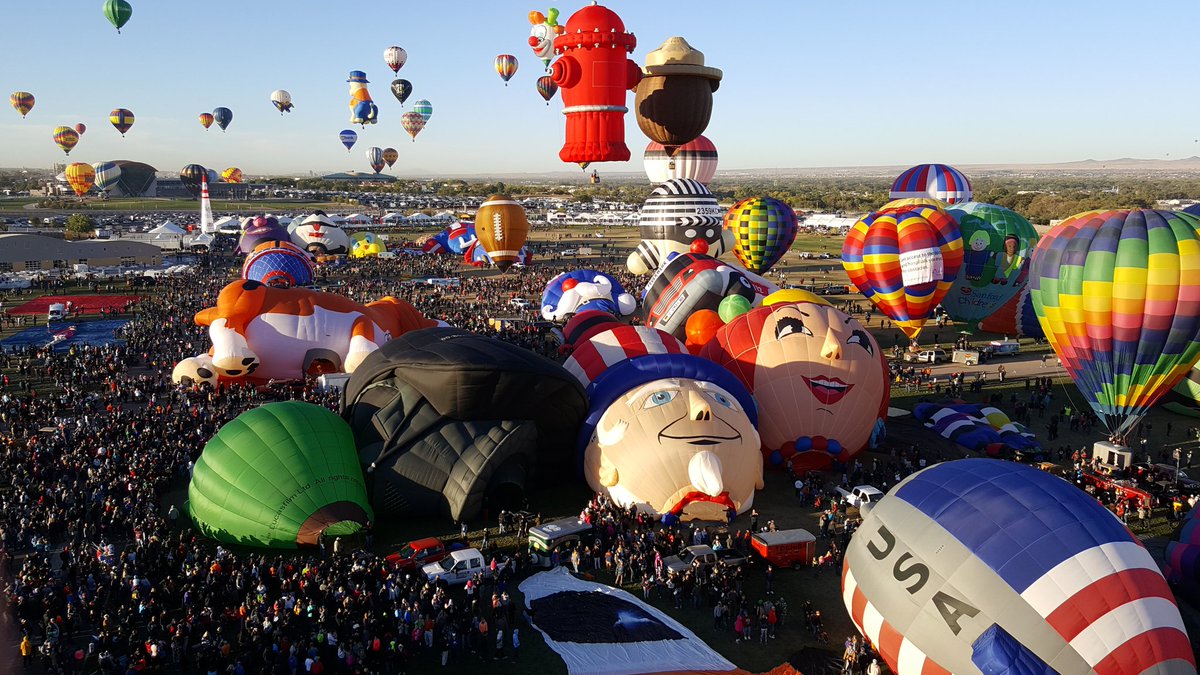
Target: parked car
point(927, 356)
point(417, 554)
point(458, 567)
point(699, 557)
point(520, 303)
point(861, 495)
point(785, 548)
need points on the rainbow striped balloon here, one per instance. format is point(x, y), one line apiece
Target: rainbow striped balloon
point(904, 258)
point(1118, 294)
point(506, 67)
point(939, 181)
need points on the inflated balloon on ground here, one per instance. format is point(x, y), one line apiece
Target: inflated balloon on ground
point(502, 228)
point(938, 181)
point(997, 244)
point(279, 476)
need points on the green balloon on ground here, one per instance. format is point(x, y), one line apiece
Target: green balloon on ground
point(279, 476)
point(732, 307)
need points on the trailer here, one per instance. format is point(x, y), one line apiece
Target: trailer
point(785, 548)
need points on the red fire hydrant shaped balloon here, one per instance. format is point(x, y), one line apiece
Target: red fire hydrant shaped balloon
point(594, 75)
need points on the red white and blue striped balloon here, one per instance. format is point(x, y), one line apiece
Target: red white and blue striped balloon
point(988, 566)
point(939, 181)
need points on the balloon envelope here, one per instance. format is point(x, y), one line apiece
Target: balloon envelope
point(401, 89)
point(282, 100)
point(81, 177)
point(820, 379)
point(279, 476)
point(66, 138)
point(117, 12)
point(278, 263)
point(413, 122)
point(206, 120)
point(390, 156)
point(1118, 294)
point(191, 176)
point(546, 87)
point(222, 116)
point(506, 66)
point(988, 566)
point(122, 119)
point(696, 159)
point(423, 108)
point(232, 175)
point(763, 231)
point(375, 158)
point(502, 228)
point(348, 137)
point(939, 181)
point(395, 58)
point(22, 102)
point(904, 258)
point(107, 175)
point(997, 244)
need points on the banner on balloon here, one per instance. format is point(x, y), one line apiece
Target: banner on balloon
point(921, 267)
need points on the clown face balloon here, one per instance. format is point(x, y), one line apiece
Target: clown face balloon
point(819, 378)
point(676, 445)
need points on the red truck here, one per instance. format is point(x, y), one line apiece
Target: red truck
point(785, 548)
point(416, 554)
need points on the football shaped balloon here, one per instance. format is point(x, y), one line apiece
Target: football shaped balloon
point(502, 228)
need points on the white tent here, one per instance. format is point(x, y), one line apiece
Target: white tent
point(166, 231)
point(203, 239)
point(418, 217)
point(336, 220)
point(358, 219)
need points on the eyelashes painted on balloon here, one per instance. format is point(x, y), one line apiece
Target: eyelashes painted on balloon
point(861, 339)
point(791, 326)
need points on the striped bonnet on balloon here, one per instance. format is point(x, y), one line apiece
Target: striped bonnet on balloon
point(986, 566)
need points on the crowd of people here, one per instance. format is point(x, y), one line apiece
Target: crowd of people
point(102, 573)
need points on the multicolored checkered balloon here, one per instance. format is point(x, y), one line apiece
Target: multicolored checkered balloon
point(1118, 294)
point(904, 258)
point(764, 229)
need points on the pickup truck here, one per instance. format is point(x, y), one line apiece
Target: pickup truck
point(861, 495)
point(458, 567)
point(701, 557)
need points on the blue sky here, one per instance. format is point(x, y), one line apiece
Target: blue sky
point(807, 83)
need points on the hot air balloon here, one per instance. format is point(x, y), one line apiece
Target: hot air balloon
point(80, 128)
point(81, 177)
point(763, 230)
point(122, 119)
point(282, 100)
point(348, 137)
point(996, 247)
point(366, 245)
point(117, 12)
point(395, 58)
point(674, 99)
point(1118, 294)
point(423, 108)
point(22, 102)
point(475, 416)
point(260, 230)
point(66, 138)
point(577, 291)
point(206, 120)
point(223, 116)
point(191, 176)
point(904, 258)
point(541, 36)
point(506, 67)
point(279, 476)
point(820, 379)
point(390, 156)
point(696, 159)
point(546, 87)
point(280, 264)
point(1183, 557)
point(232, 175)
point(678, 216)
point(107, 175)
point(986, 566)
point(413, 122)
point(502, 227)
point(401, 89)
point(375, 158)
point(362, 107)
point(666, 432)
point(689, 283)
point(939, 181)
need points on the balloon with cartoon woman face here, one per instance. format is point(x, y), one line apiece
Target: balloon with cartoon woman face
point(819, 377)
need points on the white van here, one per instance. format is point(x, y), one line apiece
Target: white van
point(57, 312)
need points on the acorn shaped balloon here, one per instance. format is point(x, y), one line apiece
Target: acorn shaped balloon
point(502, 228)
point(674, 98)
point(279, 476)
